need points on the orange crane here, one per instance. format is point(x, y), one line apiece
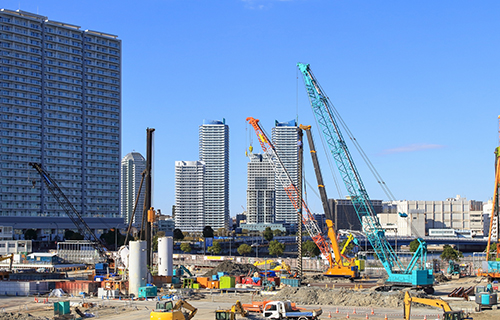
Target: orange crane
point(493, 266)
point(336, 266)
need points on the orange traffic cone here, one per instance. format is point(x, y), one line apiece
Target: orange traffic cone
point(385, 317)
point(354, 311)
point(329, 314)
point(337, 310)
point(438, 315)
point(347, 316)
point(372, 312)
point(425, 317)
point(366, 316)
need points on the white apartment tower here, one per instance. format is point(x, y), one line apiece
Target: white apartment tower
point(133, 164)
point(189, 195)
point(285, 139)
point(260, 190)
point(214, 152)
point(60, 106)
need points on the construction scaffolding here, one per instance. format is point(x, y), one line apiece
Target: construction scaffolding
point(78, 251)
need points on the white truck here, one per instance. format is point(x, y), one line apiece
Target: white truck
point(284, 310)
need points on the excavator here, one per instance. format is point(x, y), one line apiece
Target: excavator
point(9, 256)
point(168, 311)
point(230, 314)
point(447, 315)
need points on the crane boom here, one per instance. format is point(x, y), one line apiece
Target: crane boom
point(76, 218)
point(362, 204)
point(286, 181)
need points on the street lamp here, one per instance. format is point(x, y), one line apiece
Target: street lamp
point(256, 245)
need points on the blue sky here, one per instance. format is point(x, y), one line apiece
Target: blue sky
point(416, 82)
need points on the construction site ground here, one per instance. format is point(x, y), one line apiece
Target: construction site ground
point(337, 302)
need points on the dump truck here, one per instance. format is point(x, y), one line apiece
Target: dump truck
point(284, 310)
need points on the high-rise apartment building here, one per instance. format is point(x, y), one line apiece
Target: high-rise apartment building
point(60, 100)
point(133, 164)
point(189, 195)
point(285, 139)
point(214, 152)
point(260, 190)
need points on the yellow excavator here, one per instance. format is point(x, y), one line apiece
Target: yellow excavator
point(230, 314)
point(166, 310)
point(438, 303)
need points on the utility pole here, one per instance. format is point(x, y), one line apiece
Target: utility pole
point(148, 196)
point(299, 201)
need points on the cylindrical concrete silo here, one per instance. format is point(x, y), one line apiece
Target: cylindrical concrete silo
point(165, 256)
point(138, 269)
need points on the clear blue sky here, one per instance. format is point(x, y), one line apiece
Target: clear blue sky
point(417, 82)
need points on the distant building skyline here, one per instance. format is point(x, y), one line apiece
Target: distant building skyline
point(189, 196)
point(285, 138)
point(132, 167)
point(61, 107)
point(214, 152)
point(260, 190)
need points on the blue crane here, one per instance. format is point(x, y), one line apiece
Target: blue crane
point(415, 273)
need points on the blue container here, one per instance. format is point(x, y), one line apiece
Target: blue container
point(147, 292)
point(221, 274)
point(215, 277)
point(290, 282)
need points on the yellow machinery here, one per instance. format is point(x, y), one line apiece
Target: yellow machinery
point(438, 303)
point(340, 266)
point(358, 262)
point(8, 256)
point(168, 311)
point(231, 313)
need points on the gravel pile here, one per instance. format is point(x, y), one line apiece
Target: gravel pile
point(19, 316)
point(342, 297)
point(233, 269)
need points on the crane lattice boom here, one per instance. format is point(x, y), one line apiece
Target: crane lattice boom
point(286, 181)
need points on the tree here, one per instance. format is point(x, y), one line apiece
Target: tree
point(77, 236)
point(30, 234)
point(111, 236)
point(178, 235)
point(215, 248)
point(276, 248)
point(268, 234)
point(208, 232)
point(244, 249)
point(414, 245)
point(186, 247)
point(310, 249)
point(451, 254)
point(68, 234)
point(277, 232)
point(158, 235)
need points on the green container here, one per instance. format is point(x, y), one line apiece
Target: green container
point(61, 307)
point(227, 282)
point(196, 285)
point(148, 292)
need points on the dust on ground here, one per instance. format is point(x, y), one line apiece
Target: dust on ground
point(343, 297)
point(232, 269)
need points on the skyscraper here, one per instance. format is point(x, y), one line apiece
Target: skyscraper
point(214, 152)
point(260, 190)
point(133, 164)
point(60, 99)
point(285, 138)
point(189, 195)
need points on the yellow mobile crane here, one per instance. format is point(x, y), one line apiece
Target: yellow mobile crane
point(336, 266)
point(447, 315)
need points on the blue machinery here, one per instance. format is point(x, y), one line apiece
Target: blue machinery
point(415, 274)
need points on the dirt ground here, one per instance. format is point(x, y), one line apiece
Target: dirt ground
point(337, 303)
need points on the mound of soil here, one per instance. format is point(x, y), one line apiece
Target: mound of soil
point(342, 297)
point(233, 269)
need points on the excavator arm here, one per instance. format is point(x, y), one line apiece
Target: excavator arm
point(184, 304)
point(238, 308)
point(438, 303)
